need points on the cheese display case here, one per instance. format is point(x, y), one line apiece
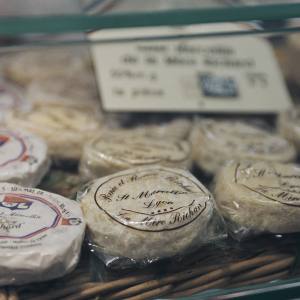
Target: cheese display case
point(173, 125)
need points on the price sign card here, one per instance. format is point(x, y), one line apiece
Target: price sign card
point(210, 74)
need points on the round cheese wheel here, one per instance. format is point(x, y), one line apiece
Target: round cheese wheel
point(215, 142)
point(288, 125)
point(256, 197)
point(23, 157)
point(40, 235)
point(64, 129)
point(24, 67)
point(117, 151)
point(73, 90)
point(149, 213)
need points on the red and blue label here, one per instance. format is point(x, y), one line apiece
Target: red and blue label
point(24, 216)
point(14, 148)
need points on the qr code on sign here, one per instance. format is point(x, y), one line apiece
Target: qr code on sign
point(217, 86)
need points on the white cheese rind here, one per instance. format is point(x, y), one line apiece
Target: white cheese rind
point(257, 197)
point(40, 235)
point(23, 157)
point(149, 213)
point(116, 151)
point(215, 142)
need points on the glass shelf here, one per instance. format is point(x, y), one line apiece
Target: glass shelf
point(36, 22)
point(33, 23)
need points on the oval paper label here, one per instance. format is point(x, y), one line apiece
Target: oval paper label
point(143, 150)
point(152, 200)
point(280, 183)
point(24, 216)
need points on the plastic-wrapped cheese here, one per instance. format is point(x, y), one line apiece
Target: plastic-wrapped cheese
point(40, 235)
point(23, 157)
point(215, 142)
point(119, 150)
point(24, 67)
point(149, 213)
point(64, 129)
point(73, 90)
point(256, 197)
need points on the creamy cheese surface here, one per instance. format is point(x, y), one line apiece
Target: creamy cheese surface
point(218, 141)
point(40, 235)
point(23, 157)
point(65, 129)
point(116, 151)
point(149, 213)
point(11, 99)
point(256, 197)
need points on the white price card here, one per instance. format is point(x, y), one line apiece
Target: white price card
point(210, 74)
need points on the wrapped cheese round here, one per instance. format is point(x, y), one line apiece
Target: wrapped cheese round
point(40, 235)
point(116, 151)
point(288, 125)
point(144, 214)
point(77, 90)
point(24, 67)
point(215, 142)
point(23, 157)
point(257, 197)
point(64, 129)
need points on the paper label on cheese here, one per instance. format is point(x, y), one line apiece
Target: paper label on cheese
point(23, 217)
point(142, 150)
point(280, 183)
point(12, 148)
point(29, 217)
point(215, 74)
point(152, 200)
point(16, 147)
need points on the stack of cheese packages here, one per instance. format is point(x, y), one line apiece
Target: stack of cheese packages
point(141, 204)
point(42, 117)
point(140, 201)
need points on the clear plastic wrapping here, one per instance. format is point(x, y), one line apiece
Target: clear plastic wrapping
point(40, 235)
point(215, 142)
point(119, 150)
point(145, 214)
point(259, 197)
point(24, 157)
